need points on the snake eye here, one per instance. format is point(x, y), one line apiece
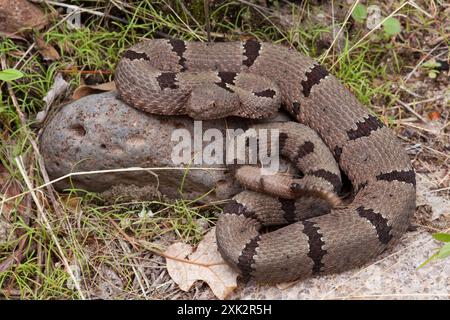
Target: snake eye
point(295, 187)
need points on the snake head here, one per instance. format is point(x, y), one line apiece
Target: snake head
point(211, 102)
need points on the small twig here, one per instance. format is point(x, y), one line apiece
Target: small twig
point(420, 62)
point(139, 272)
point(438, 190)
point(412, 3)
point(369, 33)
point(77, 8)
point(339, 32)
point(433, 132)
point(24, 55)
point(136, 244)
point(412, 111)
point(82, 173)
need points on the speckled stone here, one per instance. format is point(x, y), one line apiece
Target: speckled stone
point(100, 132)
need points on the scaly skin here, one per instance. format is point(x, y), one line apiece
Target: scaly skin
point(164, 76)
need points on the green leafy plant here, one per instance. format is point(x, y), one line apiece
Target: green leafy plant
point(391, 27)
point(432, 66)
point(359, 14)
point(441, 253)
point(10, 75)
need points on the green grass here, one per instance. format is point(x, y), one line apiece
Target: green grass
point(86, 235)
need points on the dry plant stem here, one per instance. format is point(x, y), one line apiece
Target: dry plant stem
point(39, 252)
point(82, 173)
point(76, 71)
point(412, 3)
point(186, 11)
point(17, 255)
point(29, 184)
point(137, 270)
point(81, 9)
point(23, 122)
point(412, 111)
point(420, 62)
point(335, 38)
point(369, 33)
point(23, 56)
point(43, 216)
point(136, 244)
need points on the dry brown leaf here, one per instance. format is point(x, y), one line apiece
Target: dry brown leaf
point(47, 51)
point(18, 16)
point(434, 115)
point(187, 266)
point(58, 89)
point(85, 90)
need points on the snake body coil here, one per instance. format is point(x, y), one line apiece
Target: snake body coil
point(251, 79)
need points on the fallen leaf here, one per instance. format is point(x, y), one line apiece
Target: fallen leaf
point(58, 89)
point(434, 115)
point(85, 90)
point(19, 16)
point(47, 51)
point(185, 266)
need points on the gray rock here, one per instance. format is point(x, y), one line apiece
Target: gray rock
point(100, 132)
